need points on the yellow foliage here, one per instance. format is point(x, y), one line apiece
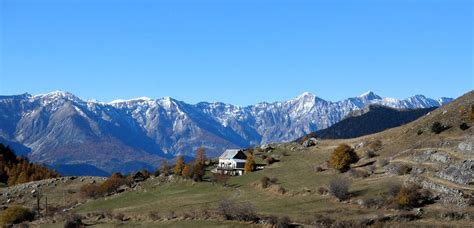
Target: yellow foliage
point(15, 215)
point(178, 168)
point(249, 163)
point(342, 157)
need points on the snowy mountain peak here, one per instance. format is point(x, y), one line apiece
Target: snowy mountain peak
point(138, 99)
point(306, 94)
point(56, 95)
point(305, 97)
point(369, 95)
point(139, 129)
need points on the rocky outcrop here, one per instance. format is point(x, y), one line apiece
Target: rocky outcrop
point(447, 195)
point(310, 142)
point(433, 156)
point(467, 145)
point(458, 173)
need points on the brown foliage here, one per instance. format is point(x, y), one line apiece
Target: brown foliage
point(178, 168)
point(270, 160)
point(15, 215)
point(375, 145)
point(201, 155)
point(90, 190)
point(109, 186)
point(187, 171)
point(249, 163)
point(17, 170)
point(323, 190)
point(411, 196)
point(266, 181)
point(342, 157)
point(199, 168)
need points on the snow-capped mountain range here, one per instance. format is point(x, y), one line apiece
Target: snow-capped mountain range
point(59, 128)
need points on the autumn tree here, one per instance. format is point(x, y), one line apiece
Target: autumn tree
point(164, 167)
point(178, 168)
point(249, 163)
point(199, 166)
point(187, 171)
point(17, 170)
point(201, 155)
point(342, 157)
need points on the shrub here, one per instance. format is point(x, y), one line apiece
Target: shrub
point(15, 215)
point(276, 222)
point(323, 190)
point(339, 188)
point(374, 202)
point(74, 221)
point(266, 181)
point(318, 169)
point(419, 132)
point(113, 183)
point(437, 127)
point(342, 157)
point(321, 221)
point(412, 196)
point(383, 162)
point(109, 186)
point(393, 189)
point(90, 191)
point(154, 215)
point(463, 126)
point(452, 215)
point(120, 217)
point(231, 210)
point(375, 145)
point(370, 154)
point(398, 169)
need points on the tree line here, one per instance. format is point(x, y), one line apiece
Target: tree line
point(17, 170)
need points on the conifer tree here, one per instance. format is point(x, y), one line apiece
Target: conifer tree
point(164, 167)
point(187, 171)
point(249, 163)
point(178, 168)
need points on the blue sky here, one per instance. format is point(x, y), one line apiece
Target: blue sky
point(239, 52)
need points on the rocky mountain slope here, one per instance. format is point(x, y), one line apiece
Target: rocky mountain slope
point(372, 119)
point(441, 162)
point(59, 128)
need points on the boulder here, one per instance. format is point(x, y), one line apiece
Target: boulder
point(310, 142)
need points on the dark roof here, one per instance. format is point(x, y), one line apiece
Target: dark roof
point(230, 153)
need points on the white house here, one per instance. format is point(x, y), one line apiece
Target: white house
point(232, 162)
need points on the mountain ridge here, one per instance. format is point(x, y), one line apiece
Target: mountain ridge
point(59, 128)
